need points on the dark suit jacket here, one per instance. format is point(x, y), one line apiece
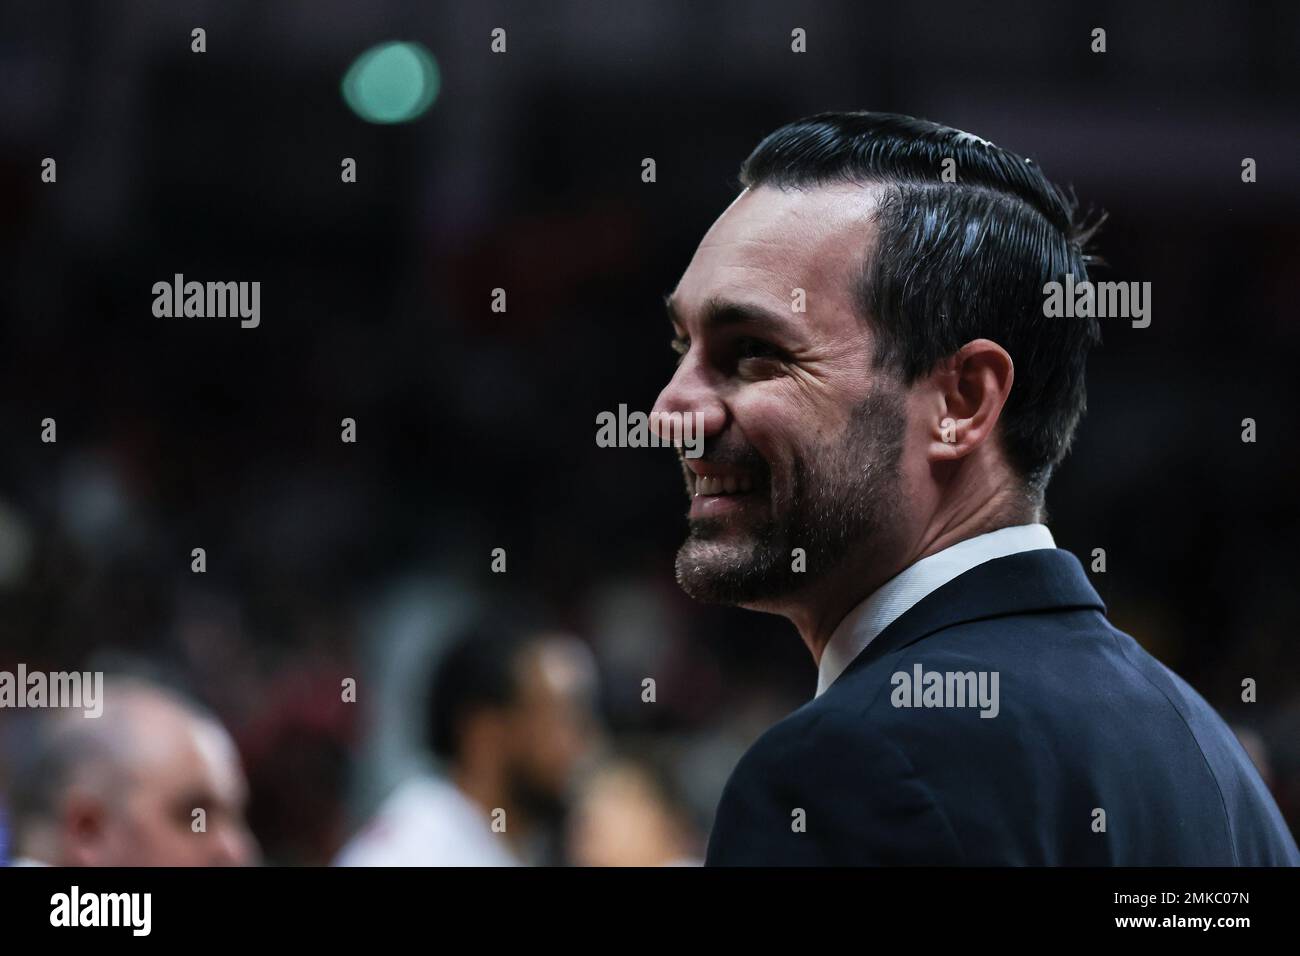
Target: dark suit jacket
point(1088, 721)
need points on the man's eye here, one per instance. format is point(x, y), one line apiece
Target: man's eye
point(755, 348)
point(681, 346)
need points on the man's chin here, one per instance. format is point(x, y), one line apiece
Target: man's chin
point(729, 569)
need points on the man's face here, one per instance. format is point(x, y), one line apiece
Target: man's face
point(551, 726)
point(203, 774)
point(180, 764)
point(803, 437)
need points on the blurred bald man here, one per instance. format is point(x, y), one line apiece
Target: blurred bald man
point(121, 790)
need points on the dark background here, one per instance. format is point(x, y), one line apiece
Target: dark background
point(476, 429)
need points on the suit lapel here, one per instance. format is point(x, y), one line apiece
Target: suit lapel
point(1049, 579)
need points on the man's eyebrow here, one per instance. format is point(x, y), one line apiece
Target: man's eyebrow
point(720, 313)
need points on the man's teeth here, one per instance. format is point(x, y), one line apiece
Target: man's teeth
point(723, 484)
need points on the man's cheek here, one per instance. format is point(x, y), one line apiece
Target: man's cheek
point(781, 467)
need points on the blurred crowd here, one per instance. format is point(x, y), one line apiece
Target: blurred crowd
point(512, 767)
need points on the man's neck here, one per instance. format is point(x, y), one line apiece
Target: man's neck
point(483, 784)
point(819, 610)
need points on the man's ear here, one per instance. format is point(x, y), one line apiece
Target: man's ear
point(968, 390)
point(83, 820)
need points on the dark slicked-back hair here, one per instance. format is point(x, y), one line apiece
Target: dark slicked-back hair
point(956, 261)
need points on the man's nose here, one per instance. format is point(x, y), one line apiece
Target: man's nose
point(233, 845)
point(690, 391)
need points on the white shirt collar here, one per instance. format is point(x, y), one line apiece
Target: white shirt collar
point(888, 603)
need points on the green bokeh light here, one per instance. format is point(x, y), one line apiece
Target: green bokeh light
point(392, 83)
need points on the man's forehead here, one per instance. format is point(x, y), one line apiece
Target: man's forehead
point(219, 760)
point(772, 241)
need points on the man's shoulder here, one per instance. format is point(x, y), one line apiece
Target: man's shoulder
point(824, 786)
point(1007, 690)
point(426, 821)
point(1000, 737)
point(1068, 707)
point(824, 730)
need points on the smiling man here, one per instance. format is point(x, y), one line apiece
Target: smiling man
point(874, 470)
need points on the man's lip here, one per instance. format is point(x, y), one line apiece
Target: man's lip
point(712, 478)
point(711, 469)
point(715, 506)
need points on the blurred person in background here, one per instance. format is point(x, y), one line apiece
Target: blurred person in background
point(629, 814)
point(122, 789)
point(510, 720)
